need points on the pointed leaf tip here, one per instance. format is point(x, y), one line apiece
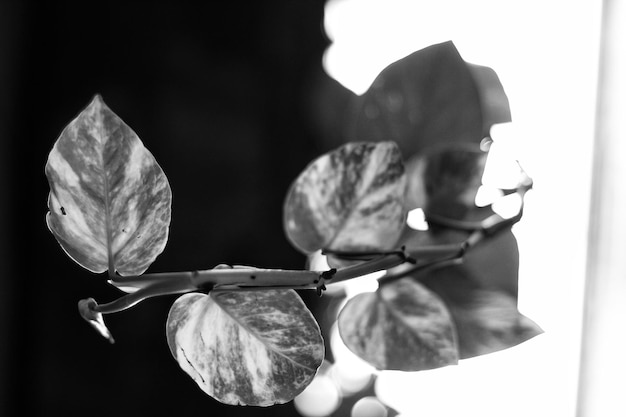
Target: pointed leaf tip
point(87, 310)
point(350, 199)
point(109, 201)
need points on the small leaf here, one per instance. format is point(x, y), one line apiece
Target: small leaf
point(246, 347)
point(402, 326)
point(94, 318)
point(429, 97)
point(350, 200)
point(109, 199)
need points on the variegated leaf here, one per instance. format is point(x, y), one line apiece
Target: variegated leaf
point(350, 200)
point(402, 326)
point(109, 199)
point(246, 347)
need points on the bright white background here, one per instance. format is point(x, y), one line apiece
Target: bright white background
point(545, 53)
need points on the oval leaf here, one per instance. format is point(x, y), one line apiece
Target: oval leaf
point(109, 199)
point(246, 347)
point(349, 200)
point(402, 326)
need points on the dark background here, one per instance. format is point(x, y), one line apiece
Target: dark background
point(228, 97)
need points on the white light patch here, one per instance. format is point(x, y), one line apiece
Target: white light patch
point(416, 219)
point(550, 135)
point(320, 399)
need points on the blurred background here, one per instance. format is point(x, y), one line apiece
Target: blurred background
point(234, 100)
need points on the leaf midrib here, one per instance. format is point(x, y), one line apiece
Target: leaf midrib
point(258, 337)
point(398, 316)
point(107, 198)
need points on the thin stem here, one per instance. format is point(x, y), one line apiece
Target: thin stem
point(250, 279)
point(239, 279)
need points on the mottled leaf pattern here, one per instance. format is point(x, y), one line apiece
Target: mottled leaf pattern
point(402, 326)
point(350, 199)
point(109, 199)
point(246, 347)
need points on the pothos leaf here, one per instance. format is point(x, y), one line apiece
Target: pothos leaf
point(109, 199)
point(427, 98)
point(493, 263)
point(402, 326)
point(350, 199)
point(246, 347)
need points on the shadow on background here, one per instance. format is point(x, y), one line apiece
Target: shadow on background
point(221, 93)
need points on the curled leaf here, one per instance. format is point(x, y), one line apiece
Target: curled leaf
point(109, 199)
point(349, 200)
point(94, 318)
point(246, 347)
point(403, 326)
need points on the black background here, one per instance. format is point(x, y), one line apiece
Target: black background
point(228, 97)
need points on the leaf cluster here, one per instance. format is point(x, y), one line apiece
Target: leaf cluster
point(243, 333)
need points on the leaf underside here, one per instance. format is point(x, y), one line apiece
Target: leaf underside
point(350, 199)
point(246, 347)
point(428, 98)
point(403, 326)
point(109, 200)
point(481, 293)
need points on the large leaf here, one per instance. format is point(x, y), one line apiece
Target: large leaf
point(402, 326)
point(246, 347)
point(109, 199)
point(429, 97)
point(350, 199)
